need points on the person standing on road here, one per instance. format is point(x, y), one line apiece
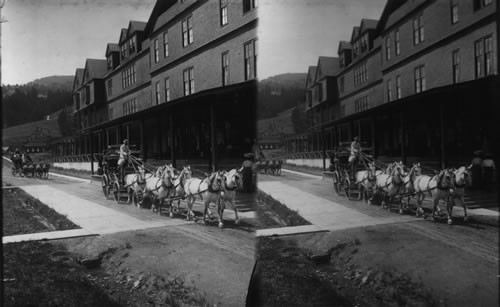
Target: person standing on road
point(488, 167)
point(476, 170)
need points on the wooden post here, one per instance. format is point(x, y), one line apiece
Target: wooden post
point(442, 122)
point(323, 147)
point(172, 138)
point(212, 136)
point(91, 154)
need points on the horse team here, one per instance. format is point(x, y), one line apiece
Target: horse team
point(397, 184)
point(166, 185)
point(34, 170)
point(270, 167)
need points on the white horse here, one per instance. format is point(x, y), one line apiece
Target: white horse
point(409, 183)
point(179, 186)
point(135, 184)
point(391, 184)
point(159, 187)
point(366, 181)
point(463, 178)
point(209, 190)
point(232, 181)
point(438, 188)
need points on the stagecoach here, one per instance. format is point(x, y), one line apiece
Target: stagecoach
point(112, 179)
point(343, 173)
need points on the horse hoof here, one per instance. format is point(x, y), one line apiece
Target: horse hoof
point(171, 214)
point(400, 211)
point(450, 221)
point(237, 222)
point(221, 225)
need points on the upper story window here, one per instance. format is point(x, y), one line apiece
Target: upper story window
point(419, 79)
point(249, 5)
point(355, 49)
point(223, 12)
point(250, 49)
point(110, 61)
point(124, 51)
point(455, 58)
point(187, 31)
point(364, 43)
point(165, 44)
point(156, 50)
point(360, 74)
point(388, 48)
point(157, 92)
point(398, 87)
point(479, 4)
point(130, 106)
point(319, 88)
point(396, 42)
point(132, 45)
point(454, 11)
point(361, 104)
point(389, 90)
point(418, 30)
point(110, 87)
point(188, 78)
point(225, 68)
point(167, 89)
point(128, 76)
point(483, 56)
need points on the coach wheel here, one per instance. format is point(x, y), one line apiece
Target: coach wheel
point(336, 182)
point(116, 192)
point(347, 187)
point(105, 187)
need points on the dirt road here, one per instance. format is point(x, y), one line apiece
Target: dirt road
point(457, 264)
point(216, 262)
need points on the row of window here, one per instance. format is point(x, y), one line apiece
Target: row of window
point(128, 48)
point(130, 106)
point(483, 62)
point(361, 104)
point(360, 46)
point(397, 46)
point(128, 76)
point(360, 74)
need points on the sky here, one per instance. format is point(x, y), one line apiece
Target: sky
point(41, 38)
point(294, 33)
point(54, 37)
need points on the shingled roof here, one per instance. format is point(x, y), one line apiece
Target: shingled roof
point(112, 48)
point(327, 67)
point(78, 81)
point(97, 69)
point(311, 76)
point(344, 45)
point(135, 26)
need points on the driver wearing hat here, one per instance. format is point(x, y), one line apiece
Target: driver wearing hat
point(124, 153)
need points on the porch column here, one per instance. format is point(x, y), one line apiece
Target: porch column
point(442, 123)
point(91, 153)
point(212, 136)
point(172, 136)
point(323, 147)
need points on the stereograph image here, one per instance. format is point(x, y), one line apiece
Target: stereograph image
point(250, 152)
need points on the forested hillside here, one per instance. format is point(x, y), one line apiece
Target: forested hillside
point(33, 101)
point(279, 93)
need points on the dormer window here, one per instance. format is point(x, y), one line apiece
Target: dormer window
point(131, 45)
point(364, 43)
point(124, 51)
point(342, 59)
point(110, 62)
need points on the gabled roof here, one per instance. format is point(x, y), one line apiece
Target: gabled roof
point(112, 48)
point(390, 7)
point(96, 69)
point(311, 76)
point(159, 8)
point(135, 26)
point(327, 67)
point(343, 45)
point(78, 81)
point(355, 33)
point(123, 36)
point(367, 24)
